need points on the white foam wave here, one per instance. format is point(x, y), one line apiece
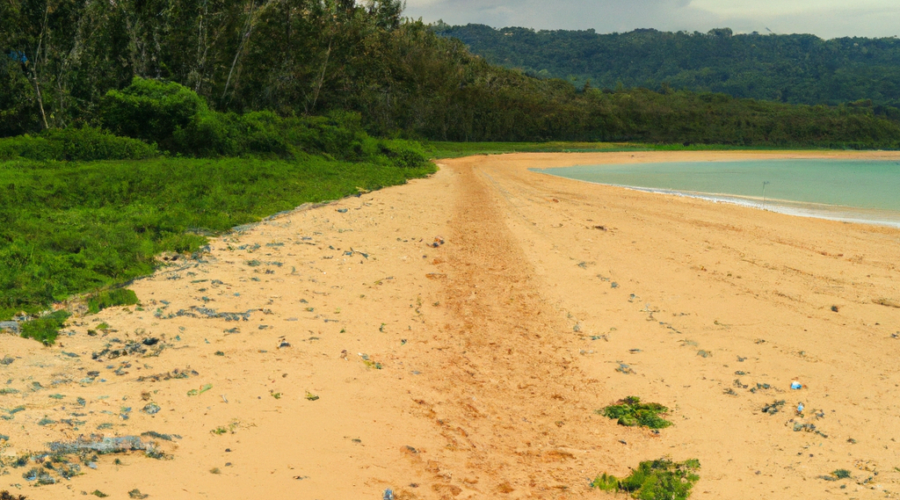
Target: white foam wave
point(787, 207)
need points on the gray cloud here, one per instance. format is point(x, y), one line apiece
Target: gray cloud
point(825, 18)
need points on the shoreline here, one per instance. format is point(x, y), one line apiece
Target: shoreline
point(839, 213)
point(822, 211)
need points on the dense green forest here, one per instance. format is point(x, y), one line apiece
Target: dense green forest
point(313, 57)
point(797, 69)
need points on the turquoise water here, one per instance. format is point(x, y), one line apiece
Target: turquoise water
point(850, 190)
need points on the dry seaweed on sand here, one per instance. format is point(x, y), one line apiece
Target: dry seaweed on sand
point(773, 408)
point(103, 445)
point(631, 412)
point(64, 460)
point(174, 374)
point(654, 480)
point(147, 347)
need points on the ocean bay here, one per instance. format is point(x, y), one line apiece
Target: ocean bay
point(866, 191)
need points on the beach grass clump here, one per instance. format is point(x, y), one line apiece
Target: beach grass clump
point(46, 328)
point(630, 412)
point(111, 298)
point(654, 480)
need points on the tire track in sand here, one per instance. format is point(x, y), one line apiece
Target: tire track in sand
point(515, 411)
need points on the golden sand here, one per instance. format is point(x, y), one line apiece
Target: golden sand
point(473, 369)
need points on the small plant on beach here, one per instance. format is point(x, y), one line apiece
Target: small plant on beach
point(311, 397)
point(605, 482)
point(46, 328)
point(372, 364)
point(654, 480)
point(218, 431)
point(111, 298)
point(841, 474)
point(631, 412)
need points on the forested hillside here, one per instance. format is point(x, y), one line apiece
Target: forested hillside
point(798, 69)
point(64, 60)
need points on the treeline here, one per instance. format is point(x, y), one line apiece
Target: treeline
point(66, 60)
point(796, 69)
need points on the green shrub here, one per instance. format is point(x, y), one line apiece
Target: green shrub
point(404, 153)
point(111, 298)
point(150, 110)
point(631, 412)
point(179, 120)
point(75, 144)
point(654, 480)
point(46, 328)
point(88, 144)
point(605, 482)
point(26, 146)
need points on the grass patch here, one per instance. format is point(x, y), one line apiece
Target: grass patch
point(68, 228)
point(111, 298)
point(631, 412)
point(654, 480)
point(46, 328)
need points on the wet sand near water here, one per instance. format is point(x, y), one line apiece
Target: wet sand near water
point(370, 360)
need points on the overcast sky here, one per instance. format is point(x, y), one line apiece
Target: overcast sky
point(825, 18)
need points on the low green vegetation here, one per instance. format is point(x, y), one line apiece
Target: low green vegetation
point(46, 328)
point(75, 144)
point(631, 412)
point(111, 298)
point(654, 480)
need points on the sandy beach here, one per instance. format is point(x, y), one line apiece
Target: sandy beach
point(341, 350)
